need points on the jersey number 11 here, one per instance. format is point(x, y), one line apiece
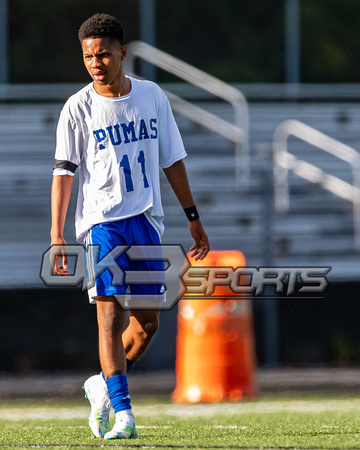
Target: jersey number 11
point(124, 163)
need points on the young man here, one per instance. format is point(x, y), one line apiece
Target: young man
point(117, 131)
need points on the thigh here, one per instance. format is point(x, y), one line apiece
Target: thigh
point(101, 244)
point(148, 285)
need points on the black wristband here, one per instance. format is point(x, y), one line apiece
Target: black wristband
point(191, 213)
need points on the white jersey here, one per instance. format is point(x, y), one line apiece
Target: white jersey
point(118, 144)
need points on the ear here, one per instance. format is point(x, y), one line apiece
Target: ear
point(123, 52)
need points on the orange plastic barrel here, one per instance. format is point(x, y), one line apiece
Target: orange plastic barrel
point(215, 354)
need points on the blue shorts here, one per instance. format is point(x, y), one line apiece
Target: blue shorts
point(115, 251)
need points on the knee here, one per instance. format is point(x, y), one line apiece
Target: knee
point(147, 329)
point(111, 322)
point(151, 327)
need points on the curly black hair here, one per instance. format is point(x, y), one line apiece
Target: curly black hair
point(100, 26)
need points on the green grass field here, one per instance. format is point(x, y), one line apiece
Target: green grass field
point(276, 421)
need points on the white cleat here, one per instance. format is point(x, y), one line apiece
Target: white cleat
point(124, 427)
point(97, 393)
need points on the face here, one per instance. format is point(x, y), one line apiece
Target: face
point(103, 60)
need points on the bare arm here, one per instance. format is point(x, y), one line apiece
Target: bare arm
point(60, 198)
point(178, 180)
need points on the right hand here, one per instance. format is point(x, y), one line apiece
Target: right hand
point(58, 257)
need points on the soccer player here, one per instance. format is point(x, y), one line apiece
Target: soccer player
point(117, 131)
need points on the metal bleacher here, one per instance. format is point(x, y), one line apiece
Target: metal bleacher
point(317, 230)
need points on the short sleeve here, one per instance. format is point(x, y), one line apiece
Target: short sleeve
point(69, 144)
point(170, 142)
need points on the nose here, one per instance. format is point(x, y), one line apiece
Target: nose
point(95, 61)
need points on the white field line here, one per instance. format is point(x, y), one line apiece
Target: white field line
point(189, 410)
point(142, 427)
point(257, 407)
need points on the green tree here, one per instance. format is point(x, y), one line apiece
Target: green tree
point(44, 46)
point(234, 40)
point(330, 41)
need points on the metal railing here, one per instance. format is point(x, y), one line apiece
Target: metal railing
point(238, 132)
point(284, 161)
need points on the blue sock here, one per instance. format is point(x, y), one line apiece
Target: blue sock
point(118, 392)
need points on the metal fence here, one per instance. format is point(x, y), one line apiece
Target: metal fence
point(48, 329)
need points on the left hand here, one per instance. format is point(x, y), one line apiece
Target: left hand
point(201, 245)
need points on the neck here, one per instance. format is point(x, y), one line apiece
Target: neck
point(118, 88)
